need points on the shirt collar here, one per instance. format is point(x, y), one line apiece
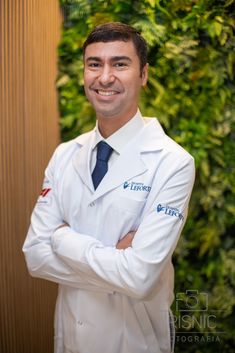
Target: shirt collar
point(121, 137)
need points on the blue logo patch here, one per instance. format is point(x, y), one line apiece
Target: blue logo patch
point(126, 184)
point(136, 186)
point(170, 211)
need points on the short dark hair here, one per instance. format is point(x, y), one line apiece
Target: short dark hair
point(113, 31)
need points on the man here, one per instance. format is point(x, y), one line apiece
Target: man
point(113, 204)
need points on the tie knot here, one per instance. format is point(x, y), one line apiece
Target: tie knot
point(103, 151)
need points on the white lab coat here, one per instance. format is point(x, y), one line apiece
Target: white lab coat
point(109, 300)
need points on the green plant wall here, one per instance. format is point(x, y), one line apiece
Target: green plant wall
point(191, 90)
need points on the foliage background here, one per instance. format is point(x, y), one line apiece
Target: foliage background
point(191, 90)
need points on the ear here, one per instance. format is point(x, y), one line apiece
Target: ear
point(144, 74)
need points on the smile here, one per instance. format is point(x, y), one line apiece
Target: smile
point(106, 93)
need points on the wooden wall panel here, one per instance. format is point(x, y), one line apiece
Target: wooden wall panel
point(29, 132)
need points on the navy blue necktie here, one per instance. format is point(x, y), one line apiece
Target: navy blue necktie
point(103, 153)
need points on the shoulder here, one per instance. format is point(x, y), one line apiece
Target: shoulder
point(156, 139)
point(65, 152)
point(178, 159)
point(176, 150)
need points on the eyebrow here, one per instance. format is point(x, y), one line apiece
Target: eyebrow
point(113, 58)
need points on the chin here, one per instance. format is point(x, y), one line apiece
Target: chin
point(105, 115)
point(109, 113)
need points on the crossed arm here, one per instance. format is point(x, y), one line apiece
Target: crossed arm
point(123, 243)
point(58, 253)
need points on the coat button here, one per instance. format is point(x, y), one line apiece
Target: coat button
point(80, 323)
point(92, 204)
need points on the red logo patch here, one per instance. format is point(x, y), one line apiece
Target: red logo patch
point(44, 192)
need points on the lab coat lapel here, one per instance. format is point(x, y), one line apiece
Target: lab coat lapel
point(131, 163)
point(82, 159)
point(126, 167)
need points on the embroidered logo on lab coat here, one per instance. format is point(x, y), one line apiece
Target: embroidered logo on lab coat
point(44, 199)
point(136, 186)
point(170, 211)
point(44, 192)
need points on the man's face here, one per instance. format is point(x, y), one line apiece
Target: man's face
point(112, 79)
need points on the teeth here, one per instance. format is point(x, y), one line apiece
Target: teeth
point(106, 93)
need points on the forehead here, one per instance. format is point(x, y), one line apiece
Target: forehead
point(106, 50)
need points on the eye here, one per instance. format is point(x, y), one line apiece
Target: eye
point(120, 64)
point(94, 65)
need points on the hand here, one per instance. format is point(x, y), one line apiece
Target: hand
point(126, 241)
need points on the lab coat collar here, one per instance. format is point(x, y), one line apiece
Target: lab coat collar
point(151, 128)
point(130, 163)
point(152, 136)
point(120, 138)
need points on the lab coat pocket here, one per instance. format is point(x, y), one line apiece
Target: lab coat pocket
point(130, 205)
point(147, 328)
point(128, 212)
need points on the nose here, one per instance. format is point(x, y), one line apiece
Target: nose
point(106, 76)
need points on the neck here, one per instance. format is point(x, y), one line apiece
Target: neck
point(109, 125)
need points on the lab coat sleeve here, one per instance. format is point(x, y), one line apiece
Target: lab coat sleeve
point(42, 261)
point(135, 271)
